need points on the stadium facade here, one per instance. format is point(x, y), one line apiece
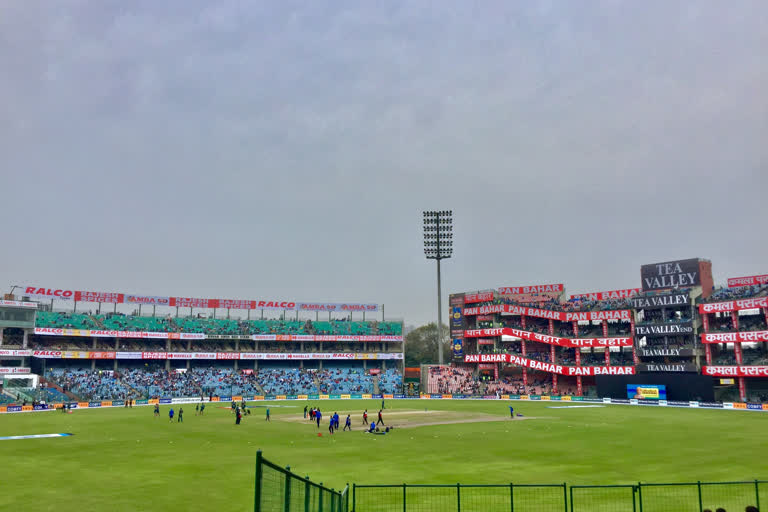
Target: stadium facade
point(675, 332)
point(99, 345)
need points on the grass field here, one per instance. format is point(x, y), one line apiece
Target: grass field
point(125, 459)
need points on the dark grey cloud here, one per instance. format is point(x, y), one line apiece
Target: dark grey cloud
point(287, 149)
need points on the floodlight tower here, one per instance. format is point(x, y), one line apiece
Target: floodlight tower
point(438, 245)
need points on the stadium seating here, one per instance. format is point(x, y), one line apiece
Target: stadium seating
point(454, 380)
point(344, 381)
point(390, 381)
point(65, 320)
point(741, 292)
point(287, 381)
point(54, 395)
point(213, 326)
point(90, 385)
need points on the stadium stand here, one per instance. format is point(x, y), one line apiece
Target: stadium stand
point(212, 326)
point(390, 381)
point(451, 379)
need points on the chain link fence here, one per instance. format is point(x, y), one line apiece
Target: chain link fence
point(279, 490)
point(643, 497)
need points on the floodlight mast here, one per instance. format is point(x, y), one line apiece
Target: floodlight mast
point(438, 245)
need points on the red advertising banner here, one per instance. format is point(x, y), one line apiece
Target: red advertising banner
point(470, 298)
point(732, 337)
point(550, 340)
point(562, 316)
point(549, 367)
point(41, 293)
point(735, 371)
point(189, 302)
point(734, 282)
point(610, 295)
point(527, 290)
point(110, 298)
point(733, 305)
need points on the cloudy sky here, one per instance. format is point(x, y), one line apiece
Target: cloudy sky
point(287, 149)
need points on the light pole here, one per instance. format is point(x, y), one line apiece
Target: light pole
point(438, 245)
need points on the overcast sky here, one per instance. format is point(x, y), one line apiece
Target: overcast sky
point(287, 149)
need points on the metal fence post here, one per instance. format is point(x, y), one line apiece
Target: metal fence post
point(458, 497)
point(634, 501)
point(565, 496)
point(287, 501)
point(701, 506)
point(257, 486)
point(404, 508)
point(511, 497)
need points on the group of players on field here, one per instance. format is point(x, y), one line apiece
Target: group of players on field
point(312, 413)
point(315, 415)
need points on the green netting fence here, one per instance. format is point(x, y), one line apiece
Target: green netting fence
point(280, 490)
point(641, 497)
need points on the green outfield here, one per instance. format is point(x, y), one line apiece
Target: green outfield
point(125, 459)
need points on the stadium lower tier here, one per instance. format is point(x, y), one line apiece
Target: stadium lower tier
point(144, 380)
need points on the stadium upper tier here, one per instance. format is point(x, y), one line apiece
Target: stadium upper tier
point(213, 326)
point(742, 292)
